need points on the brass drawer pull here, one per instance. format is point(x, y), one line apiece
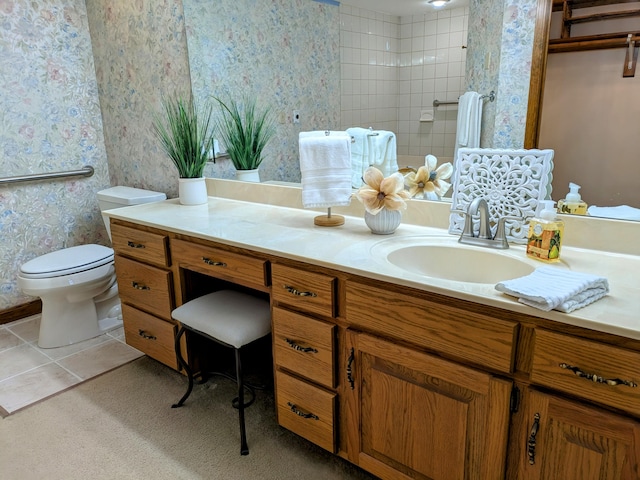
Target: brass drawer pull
point(295, 410)
point(598, 379)
point(144, 334)
point(134, 245)
point(293, 291)
point(531, 443)
point(349, 370)
point(208, 261)
point(300, 348)
point(139, 286)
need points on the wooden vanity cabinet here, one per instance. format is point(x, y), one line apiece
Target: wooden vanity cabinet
point(580, 412)
point(304, 338)
point(419, 415)
point(145, 285)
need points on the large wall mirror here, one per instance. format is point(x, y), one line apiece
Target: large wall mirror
point(298, 58)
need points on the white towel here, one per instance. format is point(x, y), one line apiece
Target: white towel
point(383, 151)
point(469, 121)
point(325, 165)
point(549, 288)
point(622, 212)
point(359, 154)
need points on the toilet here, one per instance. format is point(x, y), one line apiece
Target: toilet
point(77, 285)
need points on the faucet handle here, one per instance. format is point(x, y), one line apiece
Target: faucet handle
point(501, 235)
point(468, 222)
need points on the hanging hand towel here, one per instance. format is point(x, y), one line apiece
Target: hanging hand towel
point(469, 121)
point(359, 154)
point(383, 151)
point(325, 165)
point(549, 288)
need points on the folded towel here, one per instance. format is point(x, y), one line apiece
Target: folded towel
point(325, 165)
point(469, 121)
point(383, 151)
point(359, 154)
point(622, 212)
point(549, 288)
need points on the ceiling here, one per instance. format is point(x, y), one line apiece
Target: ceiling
point(402, 7)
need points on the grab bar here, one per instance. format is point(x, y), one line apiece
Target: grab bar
point(84, 172)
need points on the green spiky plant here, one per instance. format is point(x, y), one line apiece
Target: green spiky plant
point(186, 134)
point(244, 130)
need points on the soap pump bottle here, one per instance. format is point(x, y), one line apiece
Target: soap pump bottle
point(573, 203)
point(545, 235)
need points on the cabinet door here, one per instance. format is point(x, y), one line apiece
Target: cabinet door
point(422, 417)
point(570, 441)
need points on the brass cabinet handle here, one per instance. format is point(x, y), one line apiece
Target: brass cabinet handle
point(352, 356)
point(208, 261)
point(295, 410)
point(144, 334)
point(300, 348)
point(531, 444)
point(597, 378)
point(134, 245)
point(293, 291)
point(139, 286)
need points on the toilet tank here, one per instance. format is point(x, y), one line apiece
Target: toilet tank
point(116, 197)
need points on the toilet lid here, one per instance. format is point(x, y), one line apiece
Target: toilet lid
point(67, 261)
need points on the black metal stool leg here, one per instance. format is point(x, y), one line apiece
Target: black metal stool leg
point(244, 448)
point(184, 365)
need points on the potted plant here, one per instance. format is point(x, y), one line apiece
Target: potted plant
point(186, 135)
point(383, 198)
point(245, 130)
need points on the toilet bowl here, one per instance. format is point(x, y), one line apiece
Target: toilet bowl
point(77, 285)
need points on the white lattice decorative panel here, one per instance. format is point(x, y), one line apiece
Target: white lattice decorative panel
point(511, 181)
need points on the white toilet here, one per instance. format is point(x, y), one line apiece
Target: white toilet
point(77, 285)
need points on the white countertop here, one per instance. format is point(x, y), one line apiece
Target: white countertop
point(291, 233)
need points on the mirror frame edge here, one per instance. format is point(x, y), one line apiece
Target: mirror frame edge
point(538, 72)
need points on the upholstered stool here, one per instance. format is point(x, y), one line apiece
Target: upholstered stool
point(232, 319)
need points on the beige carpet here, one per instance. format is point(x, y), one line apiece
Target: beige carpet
point(120, 426)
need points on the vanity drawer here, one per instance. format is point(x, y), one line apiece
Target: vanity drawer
point(149, 288)
point(150, 335)
point(304, 345)
point(312, 292)
point(146, 246)
point(306, 410)
point(569, 364)
point(240, 269)
point(484, 340)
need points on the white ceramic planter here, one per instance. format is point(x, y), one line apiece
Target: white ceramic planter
point(192, 191)
point(384, 223)
point(248, 175)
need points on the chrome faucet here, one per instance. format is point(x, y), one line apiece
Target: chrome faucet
point(484, 238)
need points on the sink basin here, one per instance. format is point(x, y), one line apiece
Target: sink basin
point(446, 259)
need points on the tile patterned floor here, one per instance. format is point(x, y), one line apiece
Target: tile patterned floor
point(29, 374)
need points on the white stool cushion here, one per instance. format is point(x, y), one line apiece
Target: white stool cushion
point(232, 317)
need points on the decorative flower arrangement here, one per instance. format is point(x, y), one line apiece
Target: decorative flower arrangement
point(380, 193)
point(429, 179)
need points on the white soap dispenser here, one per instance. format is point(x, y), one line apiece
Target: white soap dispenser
point(573, 202)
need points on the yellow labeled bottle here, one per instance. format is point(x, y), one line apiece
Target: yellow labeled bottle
point(573, 202)
point(545, 235)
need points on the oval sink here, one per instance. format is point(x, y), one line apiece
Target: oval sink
point(446, 259)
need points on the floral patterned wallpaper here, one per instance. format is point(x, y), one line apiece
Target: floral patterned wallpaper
point(79, 82)
point(285, 52)
point(49, 121)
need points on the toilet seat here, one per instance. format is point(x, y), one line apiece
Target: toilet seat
point(67, 261)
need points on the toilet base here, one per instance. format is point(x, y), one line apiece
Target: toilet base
point(66, 323)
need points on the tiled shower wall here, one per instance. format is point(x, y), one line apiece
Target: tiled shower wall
point(394, 67)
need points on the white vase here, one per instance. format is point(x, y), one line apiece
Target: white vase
point(192, 191)
point(384, 223)
point(248, 175)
